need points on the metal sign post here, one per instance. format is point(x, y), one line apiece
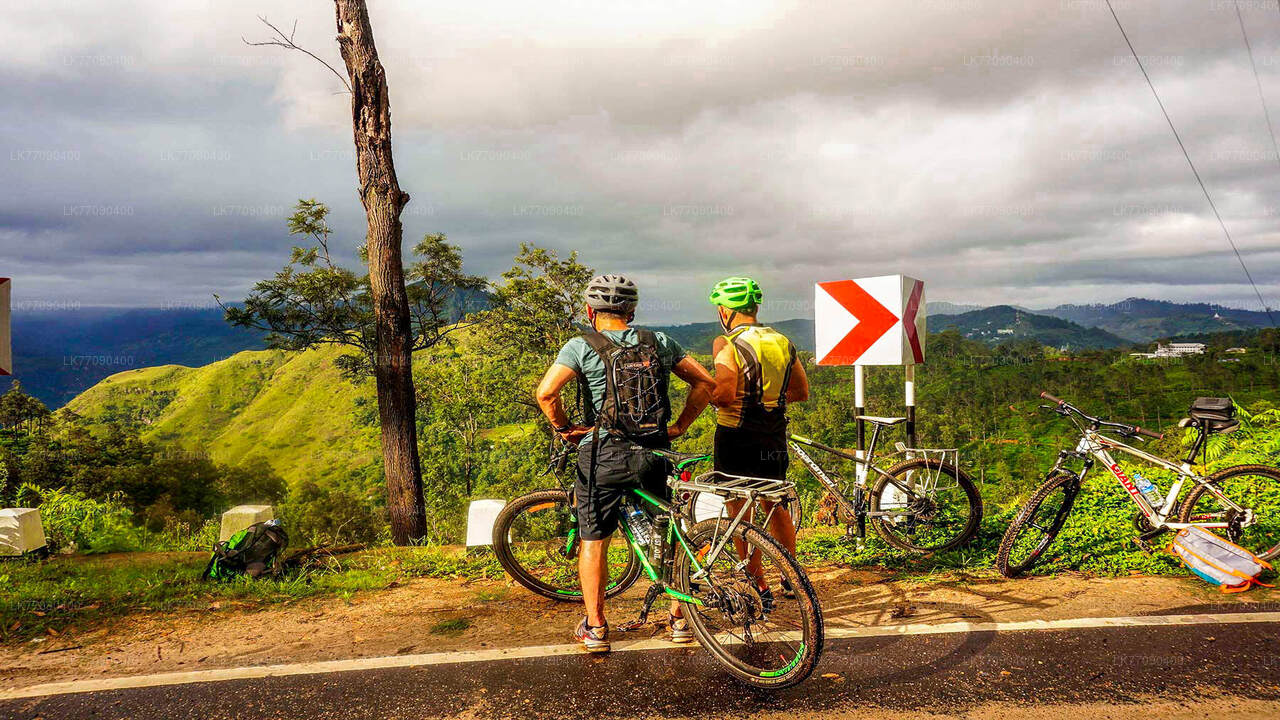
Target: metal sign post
point(860, 408)
point(909, 393)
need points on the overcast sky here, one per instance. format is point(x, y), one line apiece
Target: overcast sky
point(1002, 152)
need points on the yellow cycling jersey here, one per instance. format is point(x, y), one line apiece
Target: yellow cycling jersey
point(764, 358)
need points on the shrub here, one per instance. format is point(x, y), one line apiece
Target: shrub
point(72, 520)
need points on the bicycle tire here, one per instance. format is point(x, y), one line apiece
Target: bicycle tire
point(806, 602)
point(1055, 482)
point(566, 592)
point(1271, 545)
point(963, 481)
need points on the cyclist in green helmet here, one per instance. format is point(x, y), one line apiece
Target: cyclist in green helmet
point(757, 373)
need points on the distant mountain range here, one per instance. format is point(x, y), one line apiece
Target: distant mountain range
point(1002, 323)
point(1141, 320)
point(58, 354)
point(698, 337)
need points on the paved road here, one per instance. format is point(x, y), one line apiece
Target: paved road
point(945, 673)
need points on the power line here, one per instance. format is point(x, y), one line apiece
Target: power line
point(1265, 113)
point(1195, 172)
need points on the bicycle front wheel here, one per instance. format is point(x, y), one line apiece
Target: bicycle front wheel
point(942, 511)
point(1037, 524)
point(535, 539)
point(765, 635)
point(1253, 488)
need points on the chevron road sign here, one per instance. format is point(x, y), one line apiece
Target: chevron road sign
point(870, 321)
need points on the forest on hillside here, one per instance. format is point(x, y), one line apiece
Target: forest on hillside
point(480, 435)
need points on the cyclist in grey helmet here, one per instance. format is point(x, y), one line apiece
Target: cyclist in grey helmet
point(622, 419)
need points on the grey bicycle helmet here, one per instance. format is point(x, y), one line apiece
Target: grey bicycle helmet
point(612, 293)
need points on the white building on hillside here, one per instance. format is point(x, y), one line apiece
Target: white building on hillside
point(1173, 350)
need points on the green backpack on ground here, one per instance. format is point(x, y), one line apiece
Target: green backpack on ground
point(252, 551)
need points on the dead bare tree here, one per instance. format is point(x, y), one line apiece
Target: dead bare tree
point(383, 201)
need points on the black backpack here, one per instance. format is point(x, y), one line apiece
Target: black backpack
point(635, 403)
point(252, 551)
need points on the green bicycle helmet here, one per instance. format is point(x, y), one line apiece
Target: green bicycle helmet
point(737, 293)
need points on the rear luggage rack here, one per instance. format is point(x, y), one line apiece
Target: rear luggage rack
point(726, 485)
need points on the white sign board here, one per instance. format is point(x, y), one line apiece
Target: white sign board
point(870, 321)
point(481, 515)
point(6, 347)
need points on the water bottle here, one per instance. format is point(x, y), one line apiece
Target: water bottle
point(658, 542)
point(1149, 491)
point(638, 522)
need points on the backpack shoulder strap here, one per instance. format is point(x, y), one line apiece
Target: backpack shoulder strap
point(645, 336)
point(786, 376)
point(598, 342)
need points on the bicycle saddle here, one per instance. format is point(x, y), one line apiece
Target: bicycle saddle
point(886, 421)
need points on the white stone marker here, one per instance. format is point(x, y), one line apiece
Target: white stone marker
point(480, 517)
point(241, 517)
point(21, 531)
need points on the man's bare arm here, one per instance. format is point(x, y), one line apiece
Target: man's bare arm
point(701, 386)
point(550, 402)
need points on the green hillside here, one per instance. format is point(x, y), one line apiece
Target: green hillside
point(292, 410)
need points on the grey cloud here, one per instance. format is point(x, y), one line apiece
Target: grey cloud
point(1002, 153)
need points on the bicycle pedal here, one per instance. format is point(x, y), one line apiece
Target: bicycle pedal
point(1144, 546)
point(632, 625)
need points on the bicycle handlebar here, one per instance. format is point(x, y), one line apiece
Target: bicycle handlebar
point(1065, 407)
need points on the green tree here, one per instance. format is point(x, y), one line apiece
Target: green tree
point(534, 310)
point(314, 300)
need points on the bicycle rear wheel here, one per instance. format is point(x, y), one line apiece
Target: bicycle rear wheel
point(942, 511)
point(1036, 525)
point(763, 638)
point(535, 538)
point(1251, 487)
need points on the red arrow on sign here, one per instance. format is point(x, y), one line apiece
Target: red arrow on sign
point(874, 320)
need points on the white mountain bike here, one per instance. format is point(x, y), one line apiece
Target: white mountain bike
point(1240, 503)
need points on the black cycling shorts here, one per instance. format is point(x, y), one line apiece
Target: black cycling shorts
point(751, 453)
point(618, 469)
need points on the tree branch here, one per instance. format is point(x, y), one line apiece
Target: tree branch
point(286, 42)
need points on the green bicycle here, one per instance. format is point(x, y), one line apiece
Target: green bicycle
point(723, 571)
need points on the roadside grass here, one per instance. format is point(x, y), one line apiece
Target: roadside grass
point(66, 593)
point(452, 627)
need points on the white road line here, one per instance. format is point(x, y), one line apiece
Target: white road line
point(471, 656)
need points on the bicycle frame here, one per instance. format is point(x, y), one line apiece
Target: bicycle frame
point(682, 479)
point(674, 537)
point(1095, 447)
point(864, 466)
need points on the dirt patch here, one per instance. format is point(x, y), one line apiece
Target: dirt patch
point(428, 615)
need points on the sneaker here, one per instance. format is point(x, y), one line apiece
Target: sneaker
point(680, 630)
point(767, 601)
point(787, 591)
point(593, 639)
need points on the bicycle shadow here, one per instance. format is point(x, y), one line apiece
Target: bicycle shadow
point(896, 602)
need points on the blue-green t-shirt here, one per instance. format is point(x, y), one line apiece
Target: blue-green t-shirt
point(578, 356)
